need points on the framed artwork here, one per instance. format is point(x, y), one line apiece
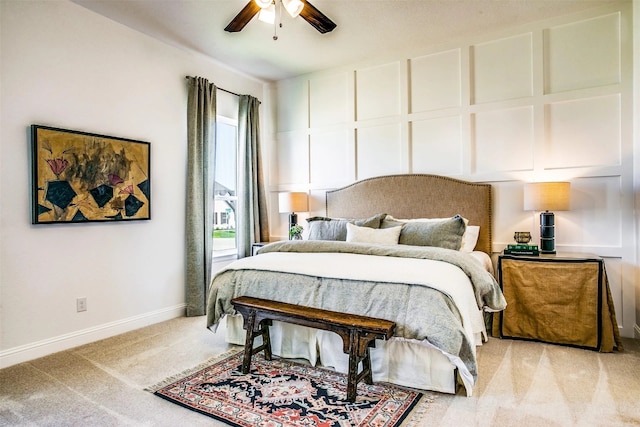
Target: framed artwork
point(84, 177)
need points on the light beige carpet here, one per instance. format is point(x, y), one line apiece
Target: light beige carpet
point(520, 384)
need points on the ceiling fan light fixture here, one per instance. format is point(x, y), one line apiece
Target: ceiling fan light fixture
point(302, 8)
point(293, 7)
point(264, 3)
point(268, 14)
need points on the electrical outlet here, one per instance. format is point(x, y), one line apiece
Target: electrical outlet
point(81, 304)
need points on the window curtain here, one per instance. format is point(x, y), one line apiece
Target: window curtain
point(253, 225)
point(201, 148)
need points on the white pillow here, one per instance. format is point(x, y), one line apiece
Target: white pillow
point(470, 238)
point(383, 236)
point(483, 259)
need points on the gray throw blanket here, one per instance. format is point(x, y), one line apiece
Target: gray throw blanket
point(420, 312)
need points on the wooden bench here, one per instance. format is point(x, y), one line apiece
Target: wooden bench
point(358, 332)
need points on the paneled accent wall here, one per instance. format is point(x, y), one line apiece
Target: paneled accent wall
point(550, 101)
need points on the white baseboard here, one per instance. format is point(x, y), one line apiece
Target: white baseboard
point(42, 348)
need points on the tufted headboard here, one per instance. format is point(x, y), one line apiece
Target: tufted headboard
point(416, 196)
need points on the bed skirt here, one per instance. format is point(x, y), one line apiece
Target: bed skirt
point(430, 369)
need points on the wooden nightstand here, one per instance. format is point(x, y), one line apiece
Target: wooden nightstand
point(561, 299)
point(255, 247)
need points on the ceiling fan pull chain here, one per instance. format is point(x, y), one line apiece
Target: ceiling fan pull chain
point(277, 22)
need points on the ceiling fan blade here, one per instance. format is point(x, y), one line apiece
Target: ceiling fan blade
point(243, 18)
point(317, 19)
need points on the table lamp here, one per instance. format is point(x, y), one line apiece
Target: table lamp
point(546, 197)
point(292, 203)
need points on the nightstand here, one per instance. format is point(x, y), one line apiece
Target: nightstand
point(255, 247)
point(561, 299)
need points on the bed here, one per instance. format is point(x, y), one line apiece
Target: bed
point(435, 280)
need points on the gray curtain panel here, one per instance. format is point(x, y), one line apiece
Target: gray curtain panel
point(201, 122)
point(253, 224)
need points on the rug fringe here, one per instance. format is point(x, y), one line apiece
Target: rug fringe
point(418, 412)
point(176, 377)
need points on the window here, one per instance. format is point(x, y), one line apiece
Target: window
point(225, 191)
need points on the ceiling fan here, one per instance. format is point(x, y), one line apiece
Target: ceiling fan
point(306, 10)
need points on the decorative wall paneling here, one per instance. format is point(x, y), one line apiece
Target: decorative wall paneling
point(552, 101)
point(513, 80)
point(379, 151)
point(443, 87)
point(584, 133)
point(437, 146)
point(330, 99)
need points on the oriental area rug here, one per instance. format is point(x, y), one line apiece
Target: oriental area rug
point(282, 392)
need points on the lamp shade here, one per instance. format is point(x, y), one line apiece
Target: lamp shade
point(264, 3)
point(267, 14)
point(293, 7)
point(547, 196)
point(293, 202)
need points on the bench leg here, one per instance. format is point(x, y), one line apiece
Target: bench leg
point(352, 374)
point(266, 340)
point(366, 368)
point(249, 351)
point(355, 344)
point(248, 343)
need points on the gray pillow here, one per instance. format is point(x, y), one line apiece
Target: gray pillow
point(446, 233)
point(323, 228)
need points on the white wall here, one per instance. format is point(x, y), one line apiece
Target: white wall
point(636, 151)
point(64, 66)
point(549, 101)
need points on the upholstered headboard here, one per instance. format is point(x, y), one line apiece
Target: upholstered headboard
point(416, 196)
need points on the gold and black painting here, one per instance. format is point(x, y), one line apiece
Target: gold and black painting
point(85, 177)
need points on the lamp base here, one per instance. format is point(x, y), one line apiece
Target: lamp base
point(547, 233)
point(293, 220)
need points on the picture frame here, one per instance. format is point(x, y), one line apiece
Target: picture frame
point(80, 177)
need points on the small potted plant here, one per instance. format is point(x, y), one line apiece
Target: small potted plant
point(295, 232)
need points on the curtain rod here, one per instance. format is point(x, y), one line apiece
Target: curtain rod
point(219, 88)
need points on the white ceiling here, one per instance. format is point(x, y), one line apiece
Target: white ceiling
point(365, 28)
